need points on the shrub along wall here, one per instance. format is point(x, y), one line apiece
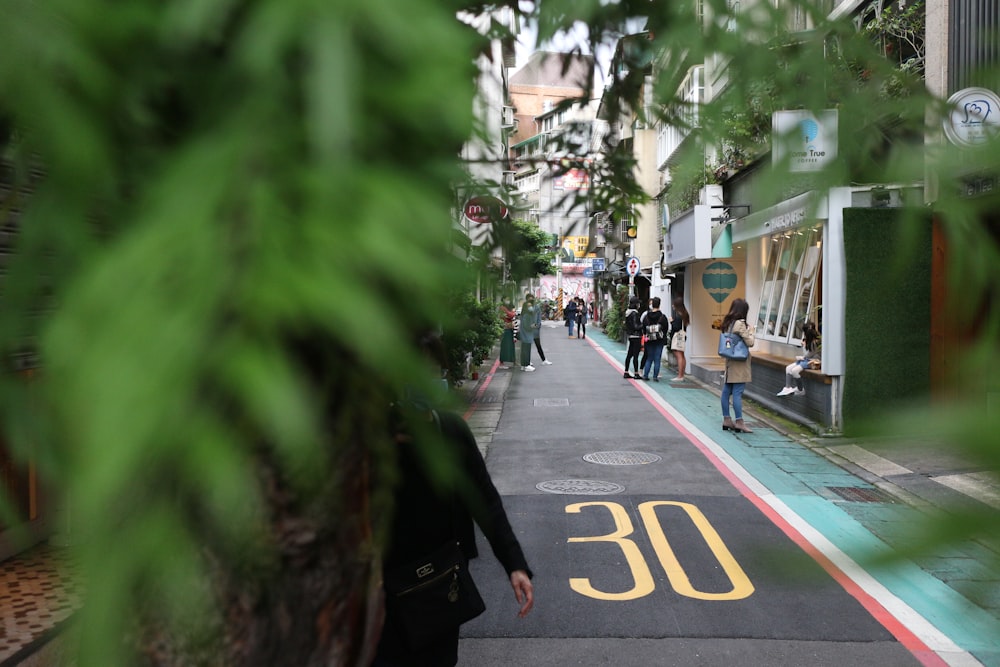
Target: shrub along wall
point(887, 323)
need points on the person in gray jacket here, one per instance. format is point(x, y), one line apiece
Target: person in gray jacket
point(531, 322)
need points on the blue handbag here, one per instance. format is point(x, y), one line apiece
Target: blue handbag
point(731, 346)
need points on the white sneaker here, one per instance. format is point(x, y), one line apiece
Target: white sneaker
point(528, 368)
point(786, 391)
point(800, 392)
point(546, 363)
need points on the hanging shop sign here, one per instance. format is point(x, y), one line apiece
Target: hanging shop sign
point(485, 210)
point(973, 118)
point(802, 140)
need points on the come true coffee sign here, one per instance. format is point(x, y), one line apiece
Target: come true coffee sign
point(485, 210)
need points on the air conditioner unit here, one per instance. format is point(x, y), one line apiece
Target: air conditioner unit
point(506, 117)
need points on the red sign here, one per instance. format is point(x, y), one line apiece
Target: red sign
point(485, 210)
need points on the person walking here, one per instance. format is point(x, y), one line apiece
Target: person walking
point(569, 313)
point(531, 323)
point(538, 345)
point(581, 318)
point(633, 333)
point(657, 325)
point(431, 517)
point(507, 316)
point(810, 357)
point(737, 372)
point(679, 321)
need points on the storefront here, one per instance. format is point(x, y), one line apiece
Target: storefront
point(790, 262)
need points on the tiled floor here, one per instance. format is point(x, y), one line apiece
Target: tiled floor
point(38, 591)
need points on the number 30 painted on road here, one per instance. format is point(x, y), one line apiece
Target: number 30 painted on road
point(742, 588)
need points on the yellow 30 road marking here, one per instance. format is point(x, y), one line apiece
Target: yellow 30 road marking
point(640, 571)
point(742, 588)
point(644, 585)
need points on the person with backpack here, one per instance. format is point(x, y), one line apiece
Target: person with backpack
point(633, 333)
point(656, 324)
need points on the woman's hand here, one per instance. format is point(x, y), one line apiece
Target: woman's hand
point(524, 592)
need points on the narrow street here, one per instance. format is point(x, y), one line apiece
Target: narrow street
point(658, 539)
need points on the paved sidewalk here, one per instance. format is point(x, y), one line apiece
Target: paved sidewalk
point(870, 500)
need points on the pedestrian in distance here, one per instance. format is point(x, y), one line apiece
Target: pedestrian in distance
point(811, 348)
point(538, 342)
point(434, 513)
point(569, 314)
point(657, 324)
point(679, 321)
point(737, 372)
point(531, 323)
point(581, 318)
point(508, 317)
point(633, 334)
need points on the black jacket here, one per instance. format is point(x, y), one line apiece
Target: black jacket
point(426, 516)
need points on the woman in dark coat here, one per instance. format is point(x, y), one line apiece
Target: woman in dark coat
point(433, 510)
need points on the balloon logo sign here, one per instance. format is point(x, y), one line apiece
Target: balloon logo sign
point(719, 280)
point(485, 210)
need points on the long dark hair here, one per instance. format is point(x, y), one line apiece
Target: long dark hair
point(737, 311)
point(810, 336)
point(682, 311)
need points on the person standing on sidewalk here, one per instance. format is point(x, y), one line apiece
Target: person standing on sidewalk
point(679, 321)
point(538, 342)
point(657, 325)
point(737, 372)
point(507, 315)
point(633, 334)
point(531, 322)
point(569, 313)
point(581, 318)
point(429, 513)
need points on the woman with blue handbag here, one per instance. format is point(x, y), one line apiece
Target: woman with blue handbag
point(737, 370)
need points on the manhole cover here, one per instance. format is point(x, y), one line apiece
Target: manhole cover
point(621, 458)
point(581, 487)
point(862, 495)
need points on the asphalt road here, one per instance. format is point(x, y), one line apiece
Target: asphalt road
point(650, 555)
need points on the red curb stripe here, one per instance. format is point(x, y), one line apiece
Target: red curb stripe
point(904, 635)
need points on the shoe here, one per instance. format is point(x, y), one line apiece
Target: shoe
point(505, 367)
point(527, 368)
point(800, 392)
point(677, 379)
point(786, 391)
point(656, 379)
point(741, 427)
point(627, 376)
point(636, 375)
point(546, 363)
point(644, 378)
point(727, 424)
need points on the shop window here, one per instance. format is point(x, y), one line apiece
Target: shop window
point(790, 287)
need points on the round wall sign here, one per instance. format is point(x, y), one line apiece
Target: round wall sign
point(974, 117)
point(485, 210)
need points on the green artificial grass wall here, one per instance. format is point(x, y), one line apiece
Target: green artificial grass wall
point(887, 321)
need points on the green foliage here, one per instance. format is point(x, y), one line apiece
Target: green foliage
point(888, 315)
point(614, 319)
point(470, 336)
point(241, 213)
point(526, 249)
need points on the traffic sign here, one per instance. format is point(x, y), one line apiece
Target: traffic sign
point(632, 266)
point(598, 264)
